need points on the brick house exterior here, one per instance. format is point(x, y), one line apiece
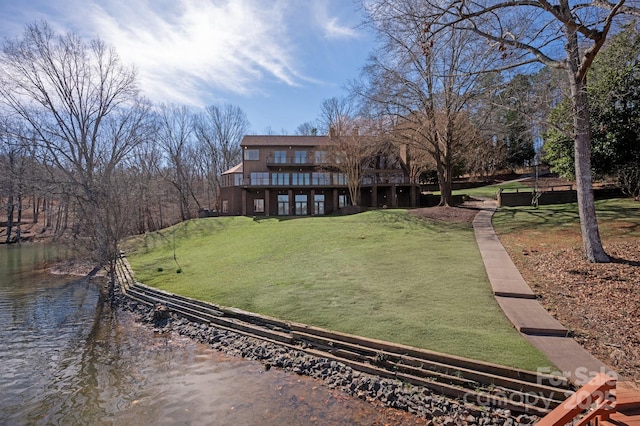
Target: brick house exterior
point(290, 175)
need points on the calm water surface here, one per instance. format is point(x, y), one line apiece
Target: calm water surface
point(63, 360)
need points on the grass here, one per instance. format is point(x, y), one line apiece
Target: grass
point(554, 228)
point(616, 218)
point(382, 274)
point(490, 191)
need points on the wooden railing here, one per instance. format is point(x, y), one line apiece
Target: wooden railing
point(593, 401)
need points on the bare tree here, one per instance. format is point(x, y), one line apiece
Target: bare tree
point(13, 166)
point(354, 140)
point(307, 129)
point(417, 160)
point(560, 34)
point(219, 131)
point(423, 84)
point(176, 136)
point(80, 105)
point(350, 152)
point(336, 115)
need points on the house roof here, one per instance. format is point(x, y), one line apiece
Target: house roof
point(235, 169)
point(279, 140)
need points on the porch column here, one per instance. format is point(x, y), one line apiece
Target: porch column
point(335, 200)
point(374, 196)
point(394, 196)
point(313, 202)
point(244, 202)
point(266, 202)
point(412, 192)
point(291, 202)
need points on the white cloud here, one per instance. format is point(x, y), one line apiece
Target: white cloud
point(331, 26)
point(333, 29)
point(186, 49)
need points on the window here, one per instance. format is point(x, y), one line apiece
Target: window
point(259, 178)
point(339, 179)
point(321, 157)
point(300, 179)
point(283, 205)
point(225, 206)
point(321, 178)
point(301, 157)
point(301, 204)
point(318, 204)
point(280, 179)
point(258, 205)
point(342, 201)
point(280, 157)
point(251, 154)
point(237, 179)
point(396, 179)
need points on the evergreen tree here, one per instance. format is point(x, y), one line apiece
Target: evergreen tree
point(614, 102)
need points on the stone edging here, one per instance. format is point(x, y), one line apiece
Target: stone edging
point(420, 401)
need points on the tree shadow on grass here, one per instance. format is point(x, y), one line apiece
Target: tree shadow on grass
point(563, 214)
point(519, 218)
point(260, 219)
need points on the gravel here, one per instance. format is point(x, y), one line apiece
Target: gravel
point(420, 401)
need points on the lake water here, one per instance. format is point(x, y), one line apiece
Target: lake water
point(65, 360)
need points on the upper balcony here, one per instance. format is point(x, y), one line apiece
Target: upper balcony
point(320, 179)
point(295, 161)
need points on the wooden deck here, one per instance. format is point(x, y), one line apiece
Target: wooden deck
point(627, 406)
point(607, 404)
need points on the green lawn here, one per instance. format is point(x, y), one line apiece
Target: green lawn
point(382, 274)
point(616, 217)
point(490, 191)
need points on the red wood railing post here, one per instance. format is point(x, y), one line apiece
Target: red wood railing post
point(597, 398)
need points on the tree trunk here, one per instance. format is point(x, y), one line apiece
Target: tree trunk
point(354, 192)
point(443, 170)
point(19, 221)
point(10, 208)
point(46, 207)
point(593, 250)
point(445, 191)
point(35, 208)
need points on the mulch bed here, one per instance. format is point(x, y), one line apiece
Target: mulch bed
point(598, 303)
point(462, 214)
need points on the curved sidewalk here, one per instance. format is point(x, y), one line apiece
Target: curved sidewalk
point(519, 304)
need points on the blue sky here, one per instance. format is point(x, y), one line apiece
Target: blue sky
point(275, 59)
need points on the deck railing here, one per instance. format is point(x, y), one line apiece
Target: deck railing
point(594, 401)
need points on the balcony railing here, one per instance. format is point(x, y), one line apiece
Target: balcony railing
point(275, 161)
point(324, 182)
point(385, 180)
point(306, 183)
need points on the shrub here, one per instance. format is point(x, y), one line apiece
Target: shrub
point(629, 180)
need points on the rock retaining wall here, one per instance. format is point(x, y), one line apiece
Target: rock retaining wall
point(439, 410)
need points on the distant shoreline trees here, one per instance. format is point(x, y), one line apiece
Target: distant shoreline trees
point(79, 144)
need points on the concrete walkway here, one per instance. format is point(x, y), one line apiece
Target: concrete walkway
point(519, 304)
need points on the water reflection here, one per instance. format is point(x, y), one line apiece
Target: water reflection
point(64, 361)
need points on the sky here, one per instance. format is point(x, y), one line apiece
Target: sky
point(276, 59)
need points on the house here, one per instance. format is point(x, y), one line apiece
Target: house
point(292, 175)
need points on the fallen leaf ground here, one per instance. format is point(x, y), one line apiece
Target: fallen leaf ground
point(598, 303)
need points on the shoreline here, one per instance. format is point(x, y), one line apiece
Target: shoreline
point(419, 401)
